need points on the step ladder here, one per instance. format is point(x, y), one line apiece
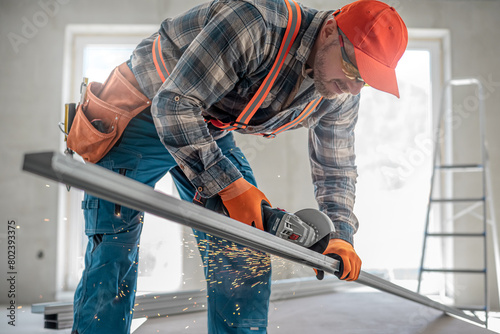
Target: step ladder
point(442, 202)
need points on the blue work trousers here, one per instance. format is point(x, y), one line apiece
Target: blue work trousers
point(238, 278)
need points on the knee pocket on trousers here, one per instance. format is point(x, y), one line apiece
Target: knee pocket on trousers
point(104, 217)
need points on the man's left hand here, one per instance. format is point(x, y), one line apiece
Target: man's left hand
point(350, 263)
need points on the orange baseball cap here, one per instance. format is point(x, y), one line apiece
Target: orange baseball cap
point(379, 36)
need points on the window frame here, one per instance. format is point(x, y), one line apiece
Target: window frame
point(70, 222)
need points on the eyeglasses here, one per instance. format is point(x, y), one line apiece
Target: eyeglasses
point(349, 69)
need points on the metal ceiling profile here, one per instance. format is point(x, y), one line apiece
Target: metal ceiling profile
point(127, 192)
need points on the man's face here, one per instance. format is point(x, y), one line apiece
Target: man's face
point(329, 78)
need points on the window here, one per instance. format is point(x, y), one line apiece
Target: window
point(394, 147)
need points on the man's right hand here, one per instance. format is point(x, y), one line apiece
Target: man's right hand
point(243, 202)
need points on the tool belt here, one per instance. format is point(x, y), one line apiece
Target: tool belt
point(105, 113)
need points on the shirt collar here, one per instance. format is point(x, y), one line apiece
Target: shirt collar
point(309, 36)
point(307, 72)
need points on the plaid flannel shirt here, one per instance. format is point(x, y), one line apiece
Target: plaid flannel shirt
point(217, 55)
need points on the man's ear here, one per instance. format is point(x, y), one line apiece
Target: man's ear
point(329, 30)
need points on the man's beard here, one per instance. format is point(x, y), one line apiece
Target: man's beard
point(322, 85)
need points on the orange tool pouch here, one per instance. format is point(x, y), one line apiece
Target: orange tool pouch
point(105, 113)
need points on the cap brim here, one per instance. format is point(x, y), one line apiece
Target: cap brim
point(375, 74)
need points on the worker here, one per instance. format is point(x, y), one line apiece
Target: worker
point(254, 67)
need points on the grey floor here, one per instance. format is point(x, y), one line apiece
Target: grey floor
point(340, 312)
point(365, 312)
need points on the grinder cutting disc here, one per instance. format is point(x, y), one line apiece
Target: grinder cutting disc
point(321, 223)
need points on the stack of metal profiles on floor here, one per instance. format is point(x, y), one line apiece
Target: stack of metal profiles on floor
point(127, 192)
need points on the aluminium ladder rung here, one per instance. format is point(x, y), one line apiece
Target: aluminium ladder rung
point(451, 200)
point(456, 234)
point(459, 271)
point(471, 308)
point(462, 168)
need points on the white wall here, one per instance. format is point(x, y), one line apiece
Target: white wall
point(30, 95)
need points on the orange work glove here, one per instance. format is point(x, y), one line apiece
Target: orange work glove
point(350, 263)
point(244, 202)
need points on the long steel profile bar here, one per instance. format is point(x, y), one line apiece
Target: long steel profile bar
point(127, 192)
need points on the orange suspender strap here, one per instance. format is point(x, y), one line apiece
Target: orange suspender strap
point(292, 29)
point(160, 67)
point(311, 106)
